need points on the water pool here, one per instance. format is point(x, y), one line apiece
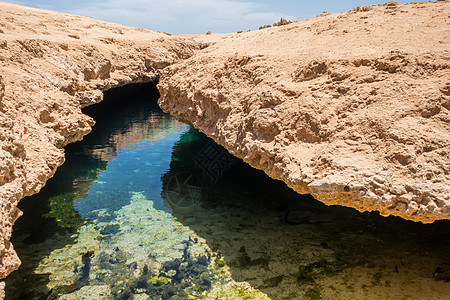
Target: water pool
point(146, 207)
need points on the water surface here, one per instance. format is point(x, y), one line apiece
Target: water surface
point(146, 207)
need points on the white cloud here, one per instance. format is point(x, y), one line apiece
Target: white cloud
point(183, 16)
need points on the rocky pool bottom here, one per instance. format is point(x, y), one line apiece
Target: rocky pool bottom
point(148, 208)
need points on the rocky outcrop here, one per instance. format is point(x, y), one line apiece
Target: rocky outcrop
point(52, 65)
point(352, 107)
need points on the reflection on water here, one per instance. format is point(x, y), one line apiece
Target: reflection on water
point(149, 208)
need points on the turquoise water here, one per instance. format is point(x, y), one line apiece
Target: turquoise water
point(146, 207)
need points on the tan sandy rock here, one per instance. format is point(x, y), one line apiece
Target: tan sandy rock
point(352, 107)
point(52, 65)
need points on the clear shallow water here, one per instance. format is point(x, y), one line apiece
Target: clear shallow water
point(149, 208)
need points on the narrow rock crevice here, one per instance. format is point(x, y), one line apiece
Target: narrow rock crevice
point(352, 107)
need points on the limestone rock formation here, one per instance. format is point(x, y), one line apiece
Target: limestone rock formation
point(352, 107)
point(52, 65)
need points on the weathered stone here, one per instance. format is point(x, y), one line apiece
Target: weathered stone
point(352, 108)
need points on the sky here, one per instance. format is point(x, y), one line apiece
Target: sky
point(197, 16)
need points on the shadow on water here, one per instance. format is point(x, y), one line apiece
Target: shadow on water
point(117, 222)
point(291, 246)
point(51, 212)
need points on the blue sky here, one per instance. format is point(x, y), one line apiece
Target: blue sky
point(197, 16)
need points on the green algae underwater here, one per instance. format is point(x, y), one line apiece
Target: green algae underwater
point(146, 207)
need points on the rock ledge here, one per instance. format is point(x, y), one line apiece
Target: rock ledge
point(353, 108)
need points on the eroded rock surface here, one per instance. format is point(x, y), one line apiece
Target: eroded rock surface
point(352, 108)
point(52, 65)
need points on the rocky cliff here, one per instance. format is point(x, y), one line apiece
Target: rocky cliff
point(353, 108)
point(51, 65)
